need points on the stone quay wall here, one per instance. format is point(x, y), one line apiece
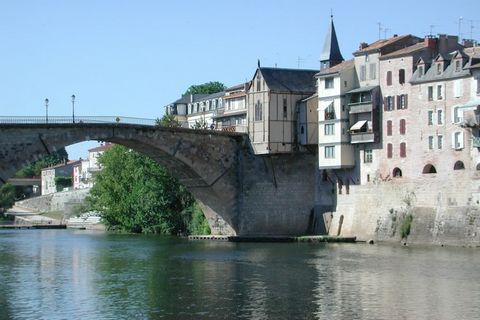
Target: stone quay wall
point(444, 211)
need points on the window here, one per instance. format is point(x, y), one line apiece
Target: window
point(402, 101)
point(439, 92)
point(329, 129)
point(258, 111)
point(420, 71)
point(330, 112)
point(478, 86)
point(373, 71)
point(457, 141)
point(329, 152)
point(329, 83)
point(430, 93)
point(458, 66)
point(430, 142)
point(345, 83)
point(284, 108)
point(459, 166)
point(402, 126)
point(389, 78)
point(430, 117)
point(397, 173)
point(439, 117)
point(403, 150)
point(439, 68)
point(368, 156)
point(389, 128)
point(363, 73)
point(429, 169)
point(401, 76)
point(389, 150)
point(389, 104)
point(259, 82)
point(439, 142)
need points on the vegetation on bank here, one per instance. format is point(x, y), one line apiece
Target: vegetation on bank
point(135, 194)
point(7, 197)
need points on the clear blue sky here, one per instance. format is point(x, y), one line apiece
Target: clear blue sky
point(131, 58)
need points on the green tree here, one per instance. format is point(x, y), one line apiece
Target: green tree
point(62, 182)
point(7, 196)
point(34, 169)
point(208, 88)
point(135, 194)
point(168, 120)
point(200, 124)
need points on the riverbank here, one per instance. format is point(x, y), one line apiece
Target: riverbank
point(328, 239)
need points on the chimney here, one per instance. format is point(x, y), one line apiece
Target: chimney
point(447, 43)
point(468, 43)
point(430, 42)
point(362, 45)
point(395, 35)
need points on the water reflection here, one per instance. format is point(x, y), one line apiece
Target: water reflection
point(58, 274)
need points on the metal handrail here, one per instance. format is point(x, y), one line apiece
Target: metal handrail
point(78, 119)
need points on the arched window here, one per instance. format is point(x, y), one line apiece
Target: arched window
point(459, 166)
point(258, 111)
point(403, 150)
point(389, 128)
point(397, 173)
point(429, 169)
point(478, 167)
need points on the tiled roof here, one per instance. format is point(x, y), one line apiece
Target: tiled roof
point(101, 148)
point(448, 72)
point(405, 51)
point(289, 80)
point(393, 44)
point(344, 65)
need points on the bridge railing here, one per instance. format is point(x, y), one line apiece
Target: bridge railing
point(80, 119)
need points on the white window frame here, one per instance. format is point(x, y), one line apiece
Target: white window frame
point(329, 152)
point(430, 143)
point(457, 140)
point(440, 142)
point(430, 117)
point(440, 117)
point(329, 129)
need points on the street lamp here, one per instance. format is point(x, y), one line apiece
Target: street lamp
point(73, 108)
point(46, 110)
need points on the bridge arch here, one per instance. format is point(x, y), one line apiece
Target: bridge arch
point(205, 162)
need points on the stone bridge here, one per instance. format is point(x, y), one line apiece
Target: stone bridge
point(240, 193)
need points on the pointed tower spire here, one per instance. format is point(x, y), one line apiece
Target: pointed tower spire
point(331, 55)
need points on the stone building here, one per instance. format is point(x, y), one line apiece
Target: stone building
point(49, 174)
point(272, 100)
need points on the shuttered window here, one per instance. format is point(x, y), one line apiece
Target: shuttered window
point(402, 126)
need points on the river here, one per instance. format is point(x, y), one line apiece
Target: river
point(67, 274)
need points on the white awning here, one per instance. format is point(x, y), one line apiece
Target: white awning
point(358, 125)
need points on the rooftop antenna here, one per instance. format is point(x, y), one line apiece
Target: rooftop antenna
point(431, 29)
point(379, 30)
point(299, 61)
point(471, 29)
point(460, 28)
point(385, 32)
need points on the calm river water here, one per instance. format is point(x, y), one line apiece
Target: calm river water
point(63, 274)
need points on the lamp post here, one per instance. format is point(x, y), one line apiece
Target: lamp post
point(73, 108)
point(46, 110)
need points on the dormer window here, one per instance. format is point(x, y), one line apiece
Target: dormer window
point(420, 71)
point(458, 65)
point(439, 68)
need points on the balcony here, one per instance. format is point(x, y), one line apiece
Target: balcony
point(362, 137)
point(360, 107)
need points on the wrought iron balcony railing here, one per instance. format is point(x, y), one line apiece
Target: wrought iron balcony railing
point(69, 119)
